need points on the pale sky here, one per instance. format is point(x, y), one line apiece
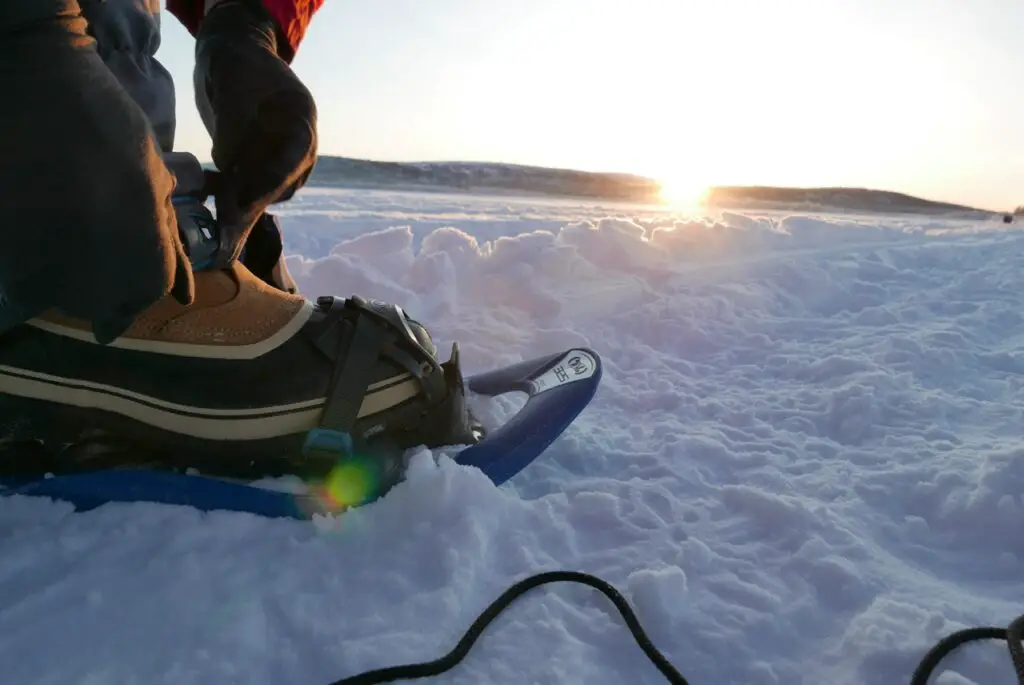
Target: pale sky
point(917, 96)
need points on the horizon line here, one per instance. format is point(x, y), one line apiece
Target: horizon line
point(652, 179)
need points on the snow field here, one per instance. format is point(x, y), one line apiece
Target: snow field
point(803, 466)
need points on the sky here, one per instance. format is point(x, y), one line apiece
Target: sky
point(916, 96)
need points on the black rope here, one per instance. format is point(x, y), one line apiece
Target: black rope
point(445, 663)
point(946, 645)
point(1014, 635)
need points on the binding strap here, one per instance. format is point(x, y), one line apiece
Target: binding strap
point(365, 332)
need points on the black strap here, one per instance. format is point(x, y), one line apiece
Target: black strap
point(357, 357)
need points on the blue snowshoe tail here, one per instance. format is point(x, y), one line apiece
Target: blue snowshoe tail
point(92, 489)
point(559, 387)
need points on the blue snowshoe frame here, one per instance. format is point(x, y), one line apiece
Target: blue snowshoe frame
point(559, 386)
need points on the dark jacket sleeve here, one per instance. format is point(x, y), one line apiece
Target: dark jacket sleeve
point(127, 34)
point(292, 16)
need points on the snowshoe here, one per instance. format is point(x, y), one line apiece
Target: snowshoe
point(92, 473)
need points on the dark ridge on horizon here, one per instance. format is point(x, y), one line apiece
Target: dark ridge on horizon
point(504, 179)
point(882, 199)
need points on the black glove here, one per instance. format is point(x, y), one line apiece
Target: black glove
point(87, 227)
point(264, 257)
point(261, 118)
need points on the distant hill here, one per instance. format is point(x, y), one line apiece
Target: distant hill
point(483, 177)
point(855, 199)
point(487, 177)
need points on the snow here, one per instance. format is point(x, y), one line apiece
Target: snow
point(803, 466)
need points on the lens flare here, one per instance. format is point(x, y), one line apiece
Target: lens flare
point(350, 483)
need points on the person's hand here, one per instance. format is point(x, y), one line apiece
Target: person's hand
point(264, 255)
point(88, 227)
point(262, 119)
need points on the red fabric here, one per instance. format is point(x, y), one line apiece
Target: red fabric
point(292, 15)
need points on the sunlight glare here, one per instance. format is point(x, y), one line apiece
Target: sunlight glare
point(682, 192)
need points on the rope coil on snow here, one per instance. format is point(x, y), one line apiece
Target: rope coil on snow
point(1014, 635)
point(449, 660)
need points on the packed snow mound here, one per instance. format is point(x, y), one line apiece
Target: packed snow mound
point(803, 466)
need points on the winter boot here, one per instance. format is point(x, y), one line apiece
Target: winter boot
point(249, 381)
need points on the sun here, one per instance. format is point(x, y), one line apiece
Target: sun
point(682, 192)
